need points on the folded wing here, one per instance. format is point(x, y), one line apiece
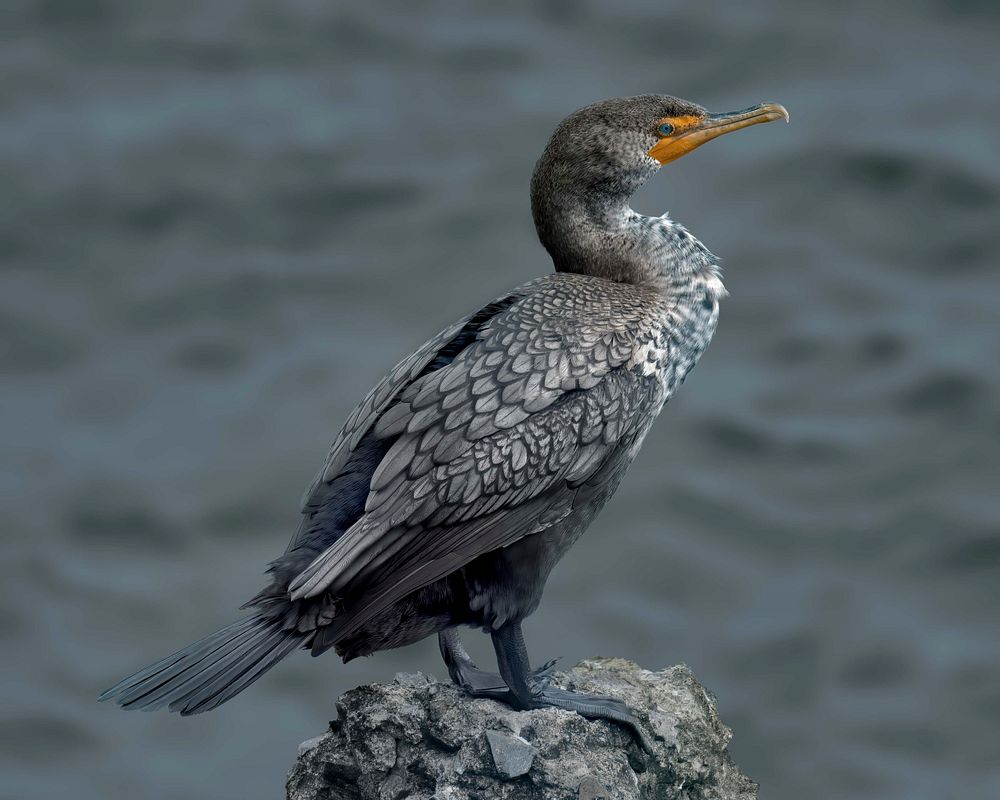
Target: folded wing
point(491, 447)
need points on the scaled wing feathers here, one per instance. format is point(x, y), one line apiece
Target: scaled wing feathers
point(489, 447)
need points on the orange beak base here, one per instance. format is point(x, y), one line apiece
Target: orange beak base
point(692, 132)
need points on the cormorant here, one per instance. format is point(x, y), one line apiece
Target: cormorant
point(465, 475)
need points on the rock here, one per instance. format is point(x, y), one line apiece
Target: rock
point(309, 744)
point(417, 739)
point(512, 755)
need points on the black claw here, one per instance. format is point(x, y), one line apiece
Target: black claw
point(547, 668)
point(542, 677)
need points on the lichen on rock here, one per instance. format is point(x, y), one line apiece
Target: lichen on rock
point(418, 739)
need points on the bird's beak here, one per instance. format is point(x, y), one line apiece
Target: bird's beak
point(692, 132)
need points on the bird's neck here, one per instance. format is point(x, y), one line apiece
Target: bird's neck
point(589, 228)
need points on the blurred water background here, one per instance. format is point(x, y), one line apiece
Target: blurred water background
point(221, 222)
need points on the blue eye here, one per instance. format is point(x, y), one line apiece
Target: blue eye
point(666, 129)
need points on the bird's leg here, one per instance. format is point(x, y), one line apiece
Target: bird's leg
point(527, 691)
point(512, 659)
point(463, 670)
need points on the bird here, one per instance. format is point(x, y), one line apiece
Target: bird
point(461, 479)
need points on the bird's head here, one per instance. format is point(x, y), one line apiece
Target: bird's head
point(598, 157)
point(634, 136)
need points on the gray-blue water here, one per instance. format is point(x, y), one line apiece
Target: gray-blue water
point(221, 222)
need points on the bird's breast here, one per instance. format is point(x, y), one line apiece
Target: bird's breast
point(683, 330)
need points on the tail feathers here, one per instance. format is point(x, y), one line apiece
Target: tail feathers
point(209, 672)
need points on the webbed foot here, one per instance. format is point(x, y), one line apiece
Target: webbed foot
point(478, 682)
point(594, 707)
point(525, 688)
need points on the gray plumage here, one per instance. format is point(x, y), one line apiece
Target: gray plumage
point(461, 479)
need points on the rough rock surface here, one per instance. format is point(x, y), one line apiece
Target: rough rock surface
point(417, 739)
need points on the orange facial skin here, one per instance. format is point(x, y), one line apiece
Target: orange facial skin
point(691, 131)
